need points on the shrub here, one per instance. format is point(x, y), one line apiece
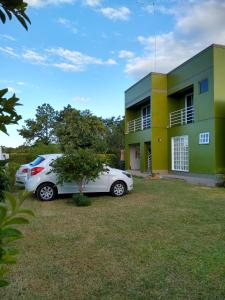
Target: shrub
point(11, 215)
point(11, 169)
point(81, 200)
point(4, 182)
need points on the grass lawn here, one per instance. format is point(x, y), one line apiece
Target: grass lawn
point(165, 240)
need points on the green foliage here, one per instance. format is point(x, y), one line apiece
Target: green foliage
point(114, 139)
point(11, 169)
point(81, 200)
point(81, 166)
point(4, 182)
point(11, 214)
point(15, 8)
point(8, 114)
point(29, 153)
point(40, 129)
point(79, 129)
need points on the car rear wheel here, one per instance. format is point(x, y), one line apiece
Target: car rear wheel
point(46, 192)
point(118, 189)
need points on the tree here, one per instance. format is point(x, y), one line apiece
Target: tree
point(115, 128)
point(79, 129)
point(9, 9)
point(81, 166)
point(40, 129)
point(8, 113)
point(15, 8)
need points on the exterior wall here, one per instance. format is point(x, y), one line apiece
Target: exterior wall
point(138, 92)
point(219, 107)
point(201, 157)
point(139, 137)
point(135, 96)
point(167, 94)
point(159, 123)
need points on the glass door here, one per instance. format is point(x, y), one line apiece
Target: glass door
point(180, 154)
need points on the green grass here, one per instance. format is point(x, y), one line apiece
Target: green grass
point(165, 240)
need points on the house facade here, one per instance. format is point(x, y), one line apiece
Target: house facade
point(175, 122)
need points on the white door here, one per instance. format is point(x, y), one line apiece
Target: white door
point(135, 157)
point(180, 153)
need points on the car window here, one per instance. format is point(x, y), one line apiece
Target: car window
point(37, 161)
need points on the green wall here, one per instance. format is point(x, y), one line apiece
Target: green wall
point(219, 108)
point(188, 75)
point(167, 94)
point(139, 137)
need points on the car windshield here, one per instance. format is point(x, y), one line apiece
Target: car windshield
point(37, 161)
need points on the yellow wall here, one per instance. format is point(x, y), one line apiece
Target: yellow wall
point(159, 123)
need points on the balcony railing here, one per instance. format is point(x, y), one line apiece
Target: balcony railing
point(139, 124)
point(182, 116)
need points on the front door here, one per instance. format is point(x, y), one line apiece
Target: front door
point(135, 157)
point(180, 153)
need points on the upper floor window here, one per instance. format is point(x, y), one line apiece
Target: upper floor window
point(203, 86)
point(146, 117)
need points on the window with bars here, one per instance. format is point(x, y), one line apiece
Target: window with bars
point(204, 138)
point(180, 154)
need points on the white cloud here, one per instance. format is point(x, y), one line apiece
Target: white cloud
point(7, 37)
point(9, 51)
point(125, 54)
point(75, 60)
point(68, 24)
point(41, 3)
point(34, 57)
point(79, 99)
point(197, 25)
point(121, 13)
point(92, 3)
point(68, 67)
point(11, 90)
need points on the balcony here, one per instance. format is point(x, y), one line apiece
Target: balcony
point(139, 124)
point(182, 116)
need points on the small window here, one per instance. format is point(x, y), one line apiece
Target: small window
point(203, 86)
point(204, 138)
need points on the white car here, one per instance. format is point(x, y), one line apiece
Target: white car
point(44, 183)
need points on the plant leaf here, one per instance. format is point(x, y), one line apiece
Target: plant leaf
point(16, 220)
point(10, 233)
point(11, 199)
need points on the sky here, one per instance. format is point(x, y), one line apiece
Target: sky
point(86, 53)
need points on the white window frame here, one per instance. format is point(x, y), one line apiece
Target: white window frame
point(184, 155)
point(204, 138)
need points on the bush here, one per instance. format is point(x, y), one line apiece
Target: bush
point(81, 200)
point(4, 182)
point(11, 169)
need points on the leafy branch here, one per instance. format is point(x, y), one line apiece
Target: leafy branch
point(17, 8)
point(8, 114)
point(11, 214)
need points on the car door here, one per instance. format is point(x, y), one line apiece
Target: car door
point(100, 184)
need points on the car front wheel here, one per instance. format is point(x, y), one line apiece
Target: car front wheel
point(118, 189)
point(46, 192)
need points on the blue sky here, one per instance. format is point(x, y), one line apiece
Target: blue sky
point(87, 52)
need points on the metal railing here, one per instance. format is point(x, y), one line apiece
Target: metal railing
point(139, 124)
point(182, 116)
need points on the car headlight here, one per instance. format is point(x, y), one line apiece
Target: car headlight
point(127, 174)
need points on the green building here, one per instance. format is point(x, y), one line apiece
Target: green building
point(175, 122)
